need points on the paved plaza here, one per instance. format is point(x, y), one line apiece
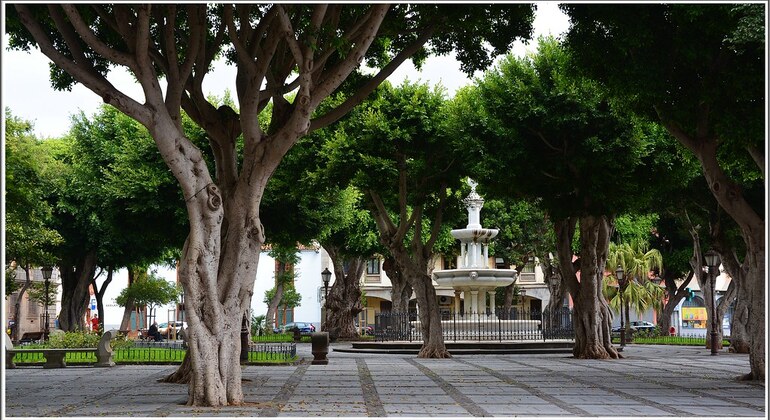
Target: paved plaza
point(652, 381)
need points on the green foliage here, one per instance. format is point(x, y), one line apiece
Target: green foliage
point(36, 293)
point(290, 298)
point(638, 291)
point(525, 229)
point(152, 291)
point(29, 234)
point(73, 339)
point(556, 136)
point(258, 326)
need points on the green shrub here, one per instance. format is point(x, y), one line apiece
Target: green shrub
point(121, 342)
point(73, 339)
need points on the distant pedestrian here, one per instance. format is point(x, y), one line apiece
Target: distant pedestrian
point(95, 323)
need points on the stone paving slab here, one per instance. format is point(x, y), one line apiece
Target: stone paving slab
point(652, 381)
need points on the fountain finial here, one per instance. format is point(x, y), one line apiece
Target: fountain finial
point(474, 203)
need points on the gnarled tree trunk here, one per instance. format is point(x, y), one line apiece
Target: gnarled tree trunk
point(17, 305)
point(592, 318)
point(401, 291)
point(675, 295)
point(730, 197)
point(344, 300)
point(75, 294)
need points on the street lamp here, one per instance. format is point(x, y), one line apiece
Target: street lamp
point(326, 275)
point(47, 272)
point(712, 261)
point(619, 274)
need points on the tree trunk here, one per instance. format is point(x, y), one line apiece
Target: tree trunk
point(433, 346)
point(675, 295)
point(17, 305)
point(730, 197)
point(125, 323)
point(344, 300)
point(401, 290)
point(183, 374)
point(272, 306)
point(75, 294)
point(592, 318)
point(739, 334)
point(507, 301)
point(99, 292)
point(556, 289)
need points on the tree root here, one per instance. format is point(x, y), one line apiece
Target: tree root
point(183, 374)
point(433, 354)
point(750, 377)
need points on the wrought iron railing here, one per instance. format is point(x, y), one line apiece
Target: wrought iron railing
point(515, 325)
point(171, 353)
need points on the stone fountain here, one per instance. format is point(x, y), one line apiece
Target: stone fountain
point(474, 278)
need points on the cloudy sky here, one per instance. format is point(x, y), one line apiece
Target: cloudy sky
point(27, 92)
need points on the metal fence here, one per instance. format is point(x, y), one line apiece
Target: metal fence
point(171, 353)
point(515, 325)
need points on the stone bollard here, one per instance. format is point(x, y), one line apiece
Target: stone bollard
point(320, 348)
point(104, 350)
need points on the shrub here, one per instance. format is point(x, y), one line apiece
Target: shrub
point(121, 342)
point(73, 339)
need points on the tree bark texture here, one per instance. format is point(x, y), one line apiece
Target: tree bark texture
point(412, 262)
point(75, 278)
point(344, 300)
point(739, 336)
point(220, 256)
point(592, 318)
point(401, 291)
point(704, 144)
point(272, 306)
point(17, 305)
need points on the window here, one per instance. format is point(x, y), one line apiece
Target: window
point(373, 266)
point(500, 263)
point(450, 263)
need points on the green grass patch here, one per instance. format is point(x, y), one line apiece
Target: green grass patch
point(138, 355)
point(668, 340)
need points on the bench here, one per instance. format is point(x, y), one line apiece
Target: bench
point(54, 358)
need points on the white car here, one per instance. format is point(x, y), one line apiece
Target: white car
point(163, 328)
point(642, 325)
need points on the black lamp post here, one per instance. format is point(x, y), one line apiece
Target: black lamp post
point(47, 272)
point(326, 275)
point(712, 261)
point(619, 274)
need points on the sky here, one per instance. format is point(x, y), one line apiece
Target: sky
point(27, 91)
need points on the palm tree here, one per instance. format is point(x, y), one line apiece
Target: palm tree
point(638, 292)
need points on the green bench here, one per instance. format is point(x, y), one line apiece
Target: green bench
point(54, 358)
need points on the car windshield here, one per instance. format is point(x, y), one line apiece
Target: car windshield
point(163, 325)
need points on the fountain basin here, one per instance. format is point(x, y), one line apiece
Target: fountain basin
point(474, 235)
point(473, 278)
point(487, 329)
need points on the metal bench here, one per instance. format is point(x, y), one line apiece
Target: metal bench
point(54, 358)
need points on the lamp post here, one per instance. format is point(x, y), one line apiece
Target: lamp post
point(47, 272)
point(326, 275)
point(712, 261)
point(620, 274)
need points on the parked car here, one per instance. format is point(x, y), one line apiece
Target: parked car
point(642, 325)
point(304, 327)
point(165, 330)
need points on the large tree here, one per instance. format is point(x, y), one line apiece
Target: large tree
point(115, 203)
point(700, 71)
point(309, 50)
point(395, 150)
point(29, 233)
point(558, 137)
